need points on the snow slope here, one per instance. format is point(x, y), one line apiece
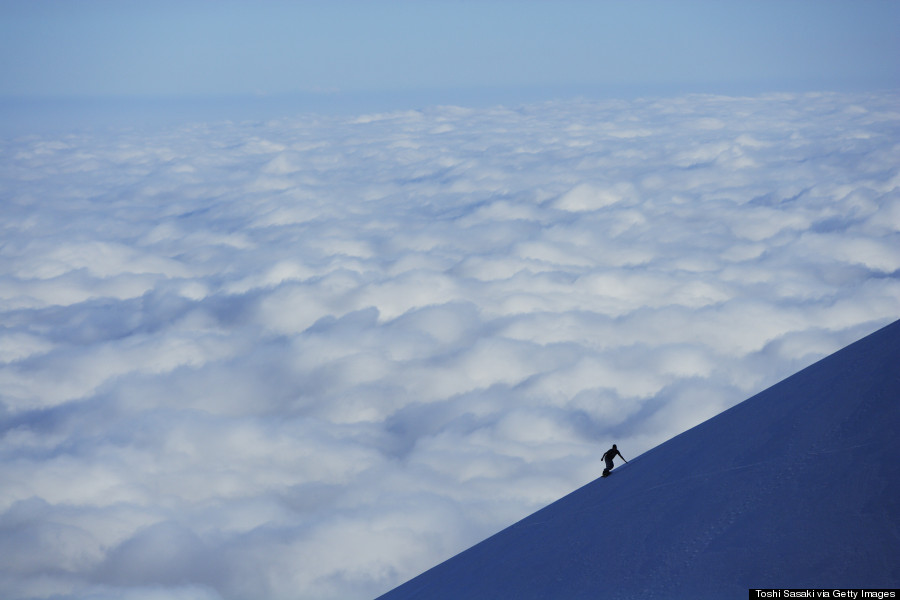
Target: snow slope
point(796, 487)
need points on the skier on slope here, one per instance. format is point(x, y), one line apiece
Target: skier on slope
point(608, 456)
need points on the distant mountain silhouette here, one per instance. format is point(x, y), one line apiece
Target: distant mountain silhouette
point(796, 487)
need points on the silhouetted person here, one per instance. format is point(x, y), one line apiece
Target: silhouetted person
point(608, 456)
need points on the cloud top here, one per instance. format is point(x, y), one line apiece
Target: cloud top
point(311, 357)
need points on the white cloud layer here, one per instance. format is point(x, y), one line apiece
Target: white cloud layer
point(311, 357)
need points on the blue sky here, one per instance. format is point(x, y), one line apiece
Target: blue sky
point(95, 47)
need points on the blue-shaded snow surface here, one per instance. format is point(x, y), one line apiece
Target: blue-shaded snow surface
point(796, 487)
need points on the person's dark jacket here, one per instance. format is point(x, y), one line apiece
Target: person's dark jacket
point(612, 453)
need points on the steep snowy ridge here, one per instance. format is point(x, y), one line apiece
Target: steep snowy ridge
point(796, 487)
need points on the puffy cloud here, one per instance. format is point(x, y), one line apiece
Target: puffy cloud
point(311, 357)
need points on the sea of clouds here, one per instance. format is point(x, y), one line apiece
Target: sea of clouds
point(308, 358)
